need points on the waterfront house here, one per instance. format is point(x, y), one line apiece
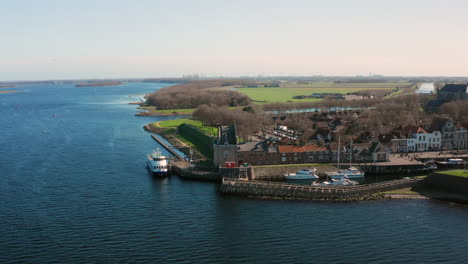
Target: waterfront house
point(415, 138)
point(360, 152)
point(303, 154)
point(257, 153)
point(454, 136)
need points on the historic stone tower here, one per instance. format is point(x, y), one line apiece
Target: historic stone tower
point(225, 147)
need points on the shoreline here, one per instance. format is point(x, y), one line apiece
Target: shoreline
point(4, 92)
point(7, 86)
point(110, 83)
point(152, 112)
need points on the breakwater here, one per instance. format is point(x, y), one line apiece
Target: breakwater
point(261, 189)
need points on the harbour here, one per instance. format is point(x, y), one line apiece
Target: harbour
point(81, 193)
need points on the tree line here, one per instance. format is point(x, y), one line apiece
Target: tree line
point(196, 93)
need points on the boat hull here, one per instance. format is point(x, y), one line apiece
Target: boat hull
point(300, 177)
point(160, 174)
point(350, 176)
point(157, 173)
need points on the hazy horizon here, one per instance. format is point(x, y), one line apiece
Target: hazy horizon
point(53, 40)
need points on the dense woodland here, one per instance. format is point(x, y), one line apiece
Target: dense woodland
point(196, 93)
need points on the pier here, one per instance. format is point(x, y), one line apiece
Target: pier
point(169, 148)
point(262, 189)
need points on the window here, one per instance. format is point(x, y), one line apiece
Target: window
point(283, 158)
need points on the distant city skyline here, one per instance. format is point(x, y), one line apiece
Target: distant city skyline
point(53, 40)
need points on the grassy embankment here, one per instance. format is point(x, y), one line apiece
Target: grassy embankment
point(200, 142)
point(153, 111)
point(286, 92)
point(460, 173)
point(170, 112)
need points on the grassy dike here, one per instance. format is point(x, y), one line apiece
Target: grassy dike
point(188, 133)
point(151, 111)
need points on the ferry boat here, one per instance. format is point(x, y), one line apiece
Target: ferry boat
point(302, 175)
point(158, 164)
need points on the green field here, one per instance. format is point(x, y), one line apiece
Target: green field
point(288, 91)
point(389, 85)
point(152, 109)
point(460, 172)
point(211, 131)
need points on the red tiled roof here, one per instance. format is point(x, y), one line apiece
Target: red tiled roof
point(310, 148)
point(290, 149)
point(295, 149)
point(413, 129)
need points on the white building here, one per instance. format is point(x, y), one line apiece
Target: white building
point(425, 141)
point(454, 136)
point(426, 88)
point(416, 139)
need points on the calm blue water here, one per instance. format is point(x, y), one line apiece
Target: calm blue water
point(80, 193)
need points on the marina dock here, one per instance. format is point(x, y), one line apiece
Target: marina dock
point(262, 189)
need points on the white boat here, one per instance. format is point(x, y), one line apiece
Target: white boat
point(158, 164)
point(343, 181)
point(302, 175)
point(351, 172)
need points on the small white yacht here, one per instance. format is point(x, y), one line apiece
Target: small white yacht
point(351, 172)
point(302, 175)
point(158, 164)
point(343, 181)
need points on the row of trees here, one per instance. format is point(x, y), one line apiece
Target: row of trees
point(247, 122)
point(191, 95)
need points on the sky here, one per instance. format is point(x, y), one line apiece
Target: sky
point(66, 39)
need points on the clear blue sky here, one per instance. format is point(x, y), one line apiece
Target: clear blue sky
point(149, 38)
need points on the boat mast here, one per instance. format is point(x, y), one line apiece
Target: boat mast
point(339, 150)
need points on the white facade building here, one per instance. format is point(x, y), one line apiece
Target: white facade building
point(417, 140)
point(426, 88)
point(425, 141)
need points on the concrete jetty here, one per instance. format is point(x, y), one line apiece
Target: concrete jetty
point(166, 146)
